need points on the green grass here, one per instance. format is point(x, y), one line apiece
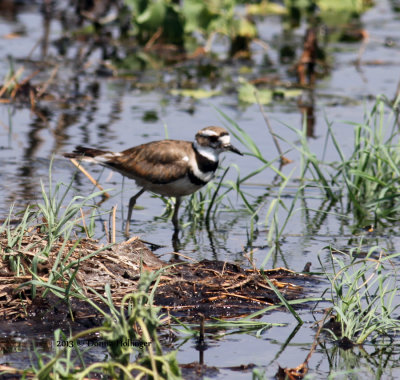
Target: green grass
point(135, 320)
point(124, 329)
point(366, 179)
point(363, 292)
point(371, 172)
point(55, 224)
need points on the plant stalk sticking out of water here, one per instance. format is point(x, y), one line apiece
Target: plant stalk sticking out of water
point(363, 296)
point(371, 174)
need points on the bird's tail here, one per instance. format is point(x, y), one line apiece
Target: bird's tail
point(97, 156)
point(81, 151)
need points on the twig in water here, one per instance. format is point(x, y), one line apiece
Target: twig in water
point(107, 231)
point(13, 78)
point(91, 179)
point(47, 83)
point(283, 159)
point(154, 38)
point(84, 223)
point(114, 211)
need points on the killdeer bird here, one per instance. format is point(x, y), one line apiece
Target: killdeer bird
point(172, 168)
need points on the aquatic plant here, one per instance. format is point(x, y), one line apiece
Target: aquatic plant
point(363, 291)
point(367, 179)
point(53, 223)
point(371, 172)
point(173, 23)
point(128, 332)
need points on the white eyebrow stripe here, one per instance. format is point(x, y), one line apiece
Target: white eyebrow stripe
point(208, 132)
point(226, 139)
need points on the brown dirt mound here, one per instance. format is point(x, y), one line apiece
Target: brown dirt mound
point(214, 288)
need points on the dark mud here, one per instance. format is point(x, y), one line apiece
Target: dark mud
point(214, 288)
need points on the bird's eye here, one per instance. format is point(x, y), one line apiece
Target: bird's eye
point(213, 138)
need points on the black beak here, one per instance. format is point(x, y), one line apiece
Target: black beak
point(231, 148)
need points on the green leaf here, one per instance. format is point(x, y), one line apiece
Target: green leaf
point(245, 28)
point(196, 94)
point(153, 16)
point(197, 15)
point(266, 8)
point(247, 93)
point(348, 6)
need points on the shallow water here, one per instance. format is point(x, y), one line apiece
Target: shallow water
point(114, 114)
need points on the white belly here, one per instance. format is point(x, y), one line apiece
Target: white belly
point(182, 186)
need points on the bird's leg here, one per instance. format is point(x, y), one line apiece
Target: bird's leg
point(176, 244)
point(175, 219)
point(132, 203)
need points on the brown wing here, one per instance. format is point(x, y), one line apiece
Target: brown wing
point(158, 162)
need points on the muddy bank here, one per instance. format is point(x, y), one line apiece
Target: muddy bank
point(213, 288)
